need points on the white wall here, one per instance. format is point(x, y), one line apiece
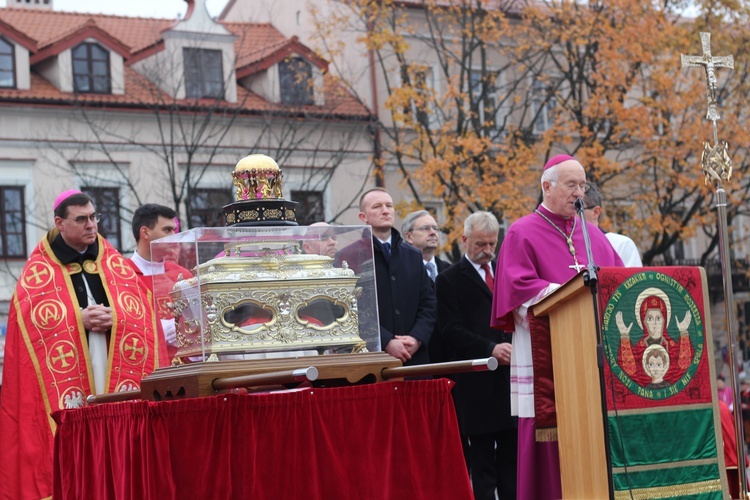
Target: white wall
point(23, 73)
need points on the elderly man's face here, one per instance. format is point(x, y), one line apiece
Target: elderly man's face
point(480, 246)
point(560, 196)
point(326, 245)
point(424, 235)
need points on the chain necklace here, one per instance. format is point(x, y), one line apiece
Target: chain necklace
point(568, 238)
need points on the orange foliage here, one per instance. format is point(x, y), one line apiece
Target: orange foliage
point(481, 93)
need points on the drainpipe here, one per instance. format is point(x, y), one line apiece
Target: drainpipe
point(375, 131)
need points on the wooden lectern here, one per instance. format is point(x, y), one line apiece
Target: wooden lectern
point(580, 422)
point(663, 437)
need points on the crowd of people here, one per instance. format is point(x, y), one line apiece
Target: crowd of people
point(82, 320)
point(478, 308)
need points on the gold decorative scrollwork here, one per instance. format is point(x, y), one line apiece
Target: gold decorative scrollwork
point(286, 300)
point(248, 215)
point(716, 163)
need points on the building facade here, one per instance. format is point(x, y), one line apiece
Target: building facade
point(135, 110)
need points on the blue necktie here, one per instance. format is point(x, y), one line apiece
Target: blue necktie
point(431, 270)
point(387, 251)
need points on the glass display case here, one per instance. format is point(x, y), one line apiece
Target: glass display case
point(250, 290)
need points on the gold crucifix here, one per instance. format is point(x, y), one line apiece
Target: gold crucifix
point(709, 63)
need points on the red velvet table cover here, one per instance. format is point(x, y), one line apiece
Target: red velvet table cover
point(389, 440)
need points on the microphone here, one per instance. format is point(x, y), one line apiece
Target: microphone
point(579, 205)
point(590, 276)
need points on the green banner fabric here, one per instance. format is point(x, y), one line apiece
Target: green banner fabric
point(658, 438)
point(664, 426)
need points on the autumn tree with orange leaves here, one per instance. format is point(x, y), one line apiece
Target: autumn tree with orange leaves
point(480, 93)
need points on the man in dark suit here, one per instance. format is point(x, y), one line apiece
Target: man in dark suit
point(421, 231)
point(405, 296)
point(482, 399)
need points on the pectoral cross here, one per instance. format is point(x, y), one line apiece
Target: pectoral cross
point(577, 267)
point(709, 63)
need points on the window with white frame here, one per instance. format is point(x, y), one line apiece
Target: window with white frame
point(107, 203)
point(542, 105)
point(311, 207)
point(204, 74)
point(423, 82)
point(482, 91)
point(296, 82)
point(12, 222)
point(7, 64)
point(206, 206)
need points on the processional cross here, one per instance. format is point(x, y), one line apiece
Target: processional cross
point(717, 167)
point(709, 63)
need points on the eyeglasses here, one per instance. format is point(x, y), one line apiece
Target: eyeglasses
point(81, 219)
point(572, 186)
point(590, 208)
point(426, 228)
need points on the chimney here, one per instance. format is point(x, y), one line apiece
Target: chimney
point(31, 4)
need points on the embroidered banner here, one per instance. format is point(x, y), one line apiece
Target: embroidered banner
point(663, 426)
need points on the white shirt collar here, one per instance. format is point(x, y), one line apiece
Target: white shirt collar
point(478, 267)
point(147, 267)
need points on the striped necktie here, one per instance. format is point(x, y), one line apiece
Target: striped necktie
point(488, 277)
point(431, 270)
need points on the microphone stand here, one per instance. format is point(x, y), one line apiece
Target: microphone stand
point(590, 279)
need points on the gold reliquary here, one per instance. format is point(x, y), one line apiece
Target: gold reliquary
point(251, 290)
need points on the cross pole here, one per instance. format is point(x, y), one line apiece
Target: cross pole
point(717, 167)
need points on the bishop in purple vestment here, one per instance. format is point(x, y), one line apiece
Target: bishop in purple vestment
point(540, 252)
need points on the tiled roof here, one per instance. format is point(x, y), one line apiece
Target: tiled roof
point(47, 26)
point(255, 42)
point(142, 94)
point(140, 91)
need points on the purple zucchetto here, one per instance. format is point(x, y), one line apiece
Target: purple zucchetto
point(556, 160)
point(64, 196)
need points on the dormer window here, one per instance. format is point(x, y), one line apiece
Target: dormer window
point(204, 74)
point(91, 69)
point(296, 81)
point(7, 65)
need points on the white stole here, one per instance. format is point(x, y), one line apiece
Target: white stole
point(97, 350)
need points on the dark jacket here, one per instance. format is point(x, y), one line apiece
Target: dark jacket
point(437, 349)
point(442, 265)
point(405, 295)
point(406, 300)
point(482, 399)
